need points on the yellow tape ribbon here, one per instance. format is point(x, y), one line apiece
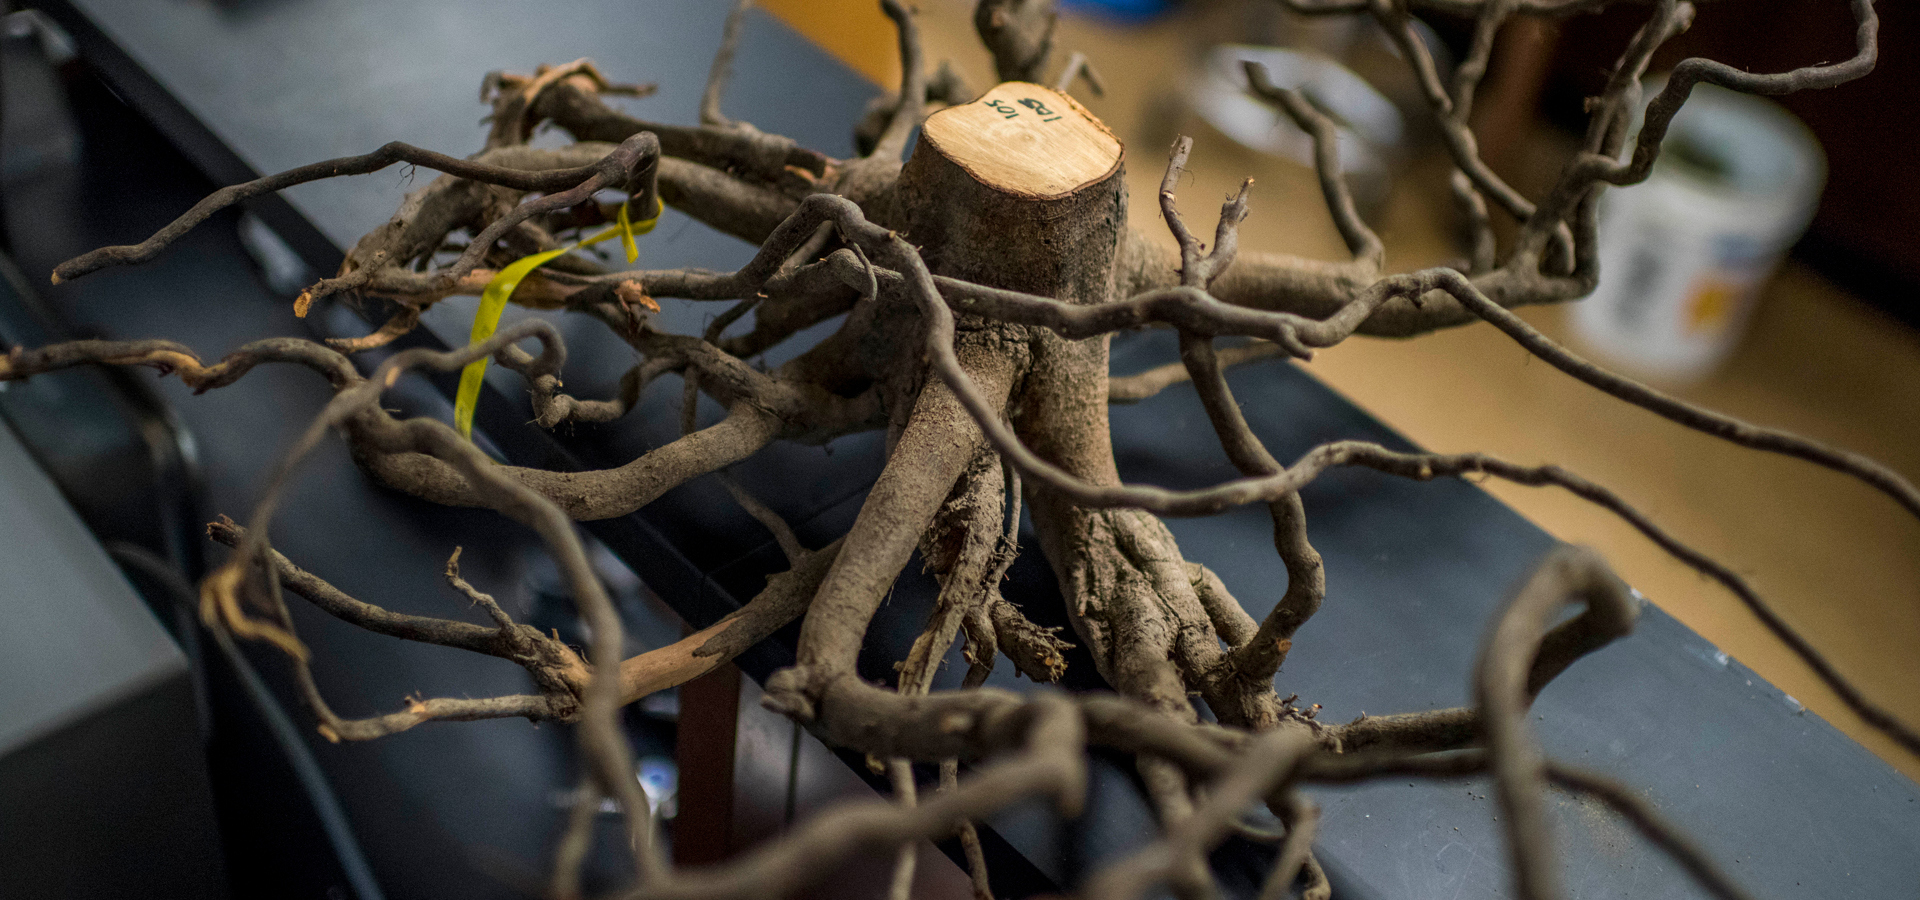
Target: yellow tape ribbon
point(493, 302)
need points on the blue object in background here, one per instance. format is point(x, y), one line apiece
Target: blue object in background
point(1132, 11)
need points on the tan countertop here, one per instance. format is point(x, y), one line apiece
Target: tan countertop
point(1840, 561)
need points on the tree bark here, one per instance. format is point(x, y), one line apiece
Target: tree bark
point(1025, 190)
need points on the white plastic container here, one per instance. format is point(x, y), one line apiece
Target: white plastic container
point(1684, 255)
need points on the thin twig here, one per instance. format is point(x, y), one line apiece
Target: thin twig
point(1361, 241)
point(722, 69)
point(396, 152)
point(1079, 66)
point(913, 86)
point(1125, 389)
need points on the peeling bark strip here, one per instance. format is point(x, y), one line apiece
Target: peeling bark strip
point(979, 341)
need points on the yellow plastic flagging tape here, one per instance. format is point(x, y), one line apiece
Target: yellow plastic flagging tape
point(493, 302)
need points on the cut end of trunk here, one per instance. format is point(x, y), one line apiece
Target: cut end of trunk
point(1026, 140)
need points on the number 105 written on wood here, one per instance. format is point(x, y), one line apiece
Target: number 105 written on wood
point(1007, 110)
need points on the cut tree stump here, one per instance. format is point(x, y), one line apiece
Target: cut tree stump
point(1024, 189)
point(1021, 189)
point(1026, 140)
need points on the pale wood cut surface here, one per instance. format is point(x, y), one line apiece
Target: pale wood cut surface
point(1026, 139)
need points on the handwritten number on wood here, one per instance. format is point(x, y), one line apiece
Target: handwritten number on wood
point(1040, 108)
point(1007, 111)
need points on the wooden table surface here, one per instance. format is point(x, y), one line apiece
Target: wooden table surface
point(1839, 560)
